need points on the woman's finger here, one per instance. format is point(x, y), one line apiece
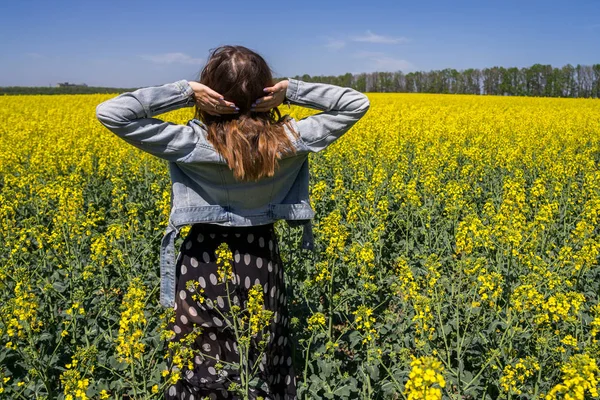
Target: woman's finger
point(215, 97)
point(266, 99)
point(218, 100)
point(218, 109)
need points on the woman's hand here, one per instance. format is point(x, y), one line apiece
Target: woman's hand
point(210, 101)
point(275, 97)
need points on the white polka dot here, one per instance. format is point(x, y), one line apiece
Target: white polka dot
point(197, 360)
point(289, 361)
point(261, 242)
point(189, 374)
point(205, 324)
point(212, 336)
point(257, 281)
point(175, 307)
point(217, 321)
point(250, 238)
point(200, 238)
point(273, 291)
point(236, 300)
point(276, 359)
point(285, 341)
point(209, 303)
point(172, 391)
point(193, 262)
point(266, 288)
point(227, 346)
point(247, 282)
point(224, 234)
point(281, 297)
point(206, 257)
point(206, 347)
point(270, 266)
point(212, 396)
point(220, 302)
point(276, 316)
point(212, 235)
point(270, 245)
point(288, 380)
point(183, 269)
point(259, 262)
point(177, 329)
point(280, 341)
point(237, 235)
point(202, 282)
point(213, 279)
point(183, 319)
point(236, 256)
point(182, 294)
point(235, 347)
point(247, 259)
point(188, 245)
point(193, 312)
point(238, 278)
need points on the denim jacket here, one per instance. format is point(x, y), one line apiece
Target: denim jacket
point(203, 187)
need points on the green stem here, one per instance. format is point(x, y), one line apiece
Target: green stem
point(307, 357)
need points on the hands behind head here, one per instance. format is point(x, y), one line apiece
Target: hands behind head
point(213, 103)
point(275, 97)
point(210, 101)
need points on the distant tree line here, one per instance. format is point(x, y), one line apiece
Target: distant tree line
point(537, 80)
point(77, 89)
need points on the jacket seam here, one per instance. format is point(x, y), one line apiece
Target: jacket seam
point(357, 111)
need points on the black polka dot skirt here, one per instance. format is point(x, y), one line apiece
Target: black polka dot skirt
point(256, 260)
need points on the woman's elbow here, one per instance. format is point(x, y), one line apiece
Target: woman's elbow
point(102, 114)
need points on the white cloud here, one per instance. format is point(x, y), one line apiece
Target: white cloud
point(335, 44)
point(172, 58)
point(382, 62)
point(371, 37)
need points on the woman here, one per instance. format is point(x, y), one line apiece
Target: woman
point(235, 169)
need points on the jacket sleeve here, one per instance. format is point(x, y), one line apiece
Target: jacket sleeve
point(342, 107)
point(129, 116)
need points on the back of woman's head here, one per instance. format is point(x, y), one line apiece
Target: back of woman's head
point(251, 142)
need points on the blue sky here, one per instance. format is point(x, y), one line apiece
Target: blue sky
point(132, 43)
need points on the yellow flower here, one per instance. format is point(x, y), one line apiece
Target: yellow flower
point(129, 345)
point(224, 262)
point(425, 379)
point(316, 321)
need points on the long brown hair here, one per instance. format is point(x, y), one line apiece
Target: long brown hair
point(251, 142)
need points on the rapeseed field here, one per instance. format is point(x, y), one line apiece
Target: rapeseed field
point(457, 254)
